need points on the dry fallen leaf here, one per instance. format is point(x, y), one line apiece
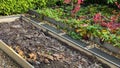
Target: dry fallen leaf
point(46, 61)
point(20, 52)
point(48, 56)
point(33, 56)
point(58, 56)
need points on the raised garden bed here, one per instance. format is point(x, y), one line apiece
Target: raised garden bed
point(42, 50)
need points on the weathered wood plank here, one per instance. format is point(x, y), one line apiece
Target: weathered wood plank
point(8, 50)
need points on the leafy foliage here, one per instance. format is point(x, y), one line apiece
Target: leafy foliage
point(9, 7)
point(14, 6)
point(91, 21)
point(111, 1)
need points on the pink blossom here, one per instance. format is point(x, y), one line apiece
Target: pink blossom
point(76, 9)
point(80, 1)
point(97, 17)
point(118, 5)
point(113, 26)
point(104, 24)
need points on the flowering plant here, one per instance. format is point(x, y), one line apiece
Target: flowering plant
point(117, 4)
point(112, 25)
point(76, 5)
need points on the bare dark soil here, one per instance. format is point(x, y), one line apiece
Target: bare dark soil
point(42, 50)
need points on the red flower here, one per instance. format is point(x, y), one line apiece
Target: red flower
point(113, 26)
point(80, 1)
point(97, 18)
point(118, 5)
point(104, 24)
point(76, 9)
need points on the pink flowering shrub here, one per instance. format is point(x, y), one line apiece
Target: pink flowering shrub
point(117, 4)
point(97, 18)
point(112, 25)
point(76, 7)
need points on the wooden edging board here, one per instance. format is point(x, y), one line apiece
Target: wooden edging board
point(8, 50)
point(9, 18)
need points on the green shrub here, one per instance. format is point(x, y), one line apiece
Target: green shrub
point(14, 6)
point(51, 3)
point(9, 7)
point(111, 1)
point(40, 3)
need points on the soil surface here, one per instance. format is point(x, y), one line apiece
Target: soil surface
point(42, 50)
point(6, 61)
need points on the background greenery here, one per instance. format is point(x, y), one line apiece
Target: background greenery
point(8, 7)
